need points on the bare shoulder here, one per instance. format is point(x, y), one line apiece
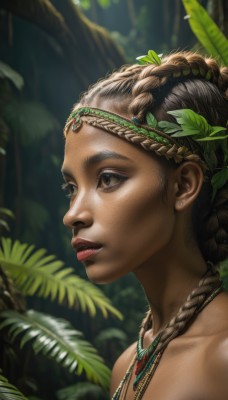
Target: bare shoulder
point(121, 366)
point(216, 354)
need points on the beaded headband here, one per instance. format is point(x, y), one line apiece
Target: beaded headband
point(160, 137)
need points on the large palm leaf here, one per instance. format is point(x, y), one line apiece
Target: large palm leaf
point(58, 340)
point(206, 31)
point(36, 273)
point(8, 391)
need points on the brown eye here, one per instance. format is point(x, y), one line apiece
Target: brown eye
point(70, 189)
point(109, 180)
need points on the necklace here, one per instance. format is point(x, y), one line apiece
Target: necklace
point(146, 360)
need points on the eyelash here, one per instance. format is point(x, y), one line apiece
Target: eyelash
point(119, 177)
point(66, 187)
point(69, 187)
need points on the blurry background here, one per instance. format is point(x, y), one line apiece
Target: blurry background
point(51, 51)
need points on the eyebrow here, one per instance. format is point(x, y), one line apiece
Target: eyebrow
point(98, 157)
point(104, 155)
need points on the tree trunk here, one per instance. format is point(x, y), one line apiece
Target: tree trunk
point(219, 11)
point(89, 48)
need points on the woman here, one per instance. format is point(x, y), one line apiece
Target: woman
point(146, 171)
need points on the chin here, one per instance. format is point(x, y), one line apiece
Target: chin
point(100, 279)
point(99, 275)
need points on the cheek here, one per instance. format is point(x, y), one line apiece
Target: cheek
point(140, 220)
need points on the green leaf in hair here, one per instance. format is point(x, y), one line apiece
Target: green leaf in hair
point(151, 120)
point(169, 127)
point(190, 122)
point(151, 58)
point(218, 180)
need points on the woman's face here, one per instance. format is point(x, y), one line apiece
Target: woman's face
point(117, 202)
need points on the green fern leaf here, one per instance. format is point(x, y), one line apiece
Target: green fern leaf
point(58, 340)
point(9, 391)
point(206, 31)
point(35, 273)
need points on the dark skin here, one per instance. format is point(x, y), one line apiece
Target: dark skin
point(118, 200)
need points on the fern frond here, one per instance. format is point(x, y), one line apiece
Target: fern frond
point(9, 391)
point(58, 340)
point(35, 273)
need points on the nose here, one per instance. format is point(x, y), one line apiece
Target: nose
point(79, 214)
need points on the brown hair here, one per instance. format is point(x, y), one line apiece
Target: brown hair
point(183, 80)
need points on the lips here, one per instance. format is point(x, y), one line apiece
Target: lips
point(85, 249)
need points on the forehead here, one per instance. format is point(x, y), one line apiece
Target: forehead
point(89, 137)
point(89, 141)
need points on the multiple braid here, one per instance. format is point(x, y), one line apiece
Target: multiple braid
point(174, 68)
point(183, 80)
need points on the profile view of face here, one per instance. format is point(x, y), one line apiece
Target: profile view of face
point(117, 202)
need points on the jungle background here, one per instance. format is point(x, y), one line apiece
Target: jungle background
point(51, 51)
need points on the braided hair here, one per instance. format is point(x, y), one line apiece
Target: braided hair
point(183, 80)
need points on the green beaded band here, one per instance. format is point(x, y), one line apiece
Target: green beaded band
point(75, 121)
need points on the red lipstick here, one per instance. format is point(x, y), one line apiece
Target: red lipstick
point(85, 249)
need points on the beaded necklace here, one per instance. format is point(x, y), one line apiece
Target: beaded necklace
point(146, 360)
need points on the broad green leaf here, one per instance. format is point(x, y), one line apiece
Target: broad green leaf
point(189, 120)
point(217, 129)
point(151, 120)
point(143, 60)
point(58, 340)
point(184, 133)
point(154, 57)
point(210, 138)
point(169, 127)
point(151, 58)
point(206, 31)
point(218, 180)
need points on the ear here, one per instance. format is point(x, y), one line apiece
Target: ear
point(188, 182)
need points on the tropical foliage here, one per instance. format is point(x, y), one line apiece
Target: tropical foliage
point(35, 273)
point(50, 53)
point(9, 391)
point(57, 340)
point(207, 32)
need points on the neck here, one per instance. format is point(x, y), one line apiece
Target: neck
point(168, 281)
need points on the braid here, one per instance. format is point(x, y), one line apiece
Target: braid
point(197, 299)
point(182, 80)
point(173, 69)
point(176, 153)
point(215, 228)
point(118, 83)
